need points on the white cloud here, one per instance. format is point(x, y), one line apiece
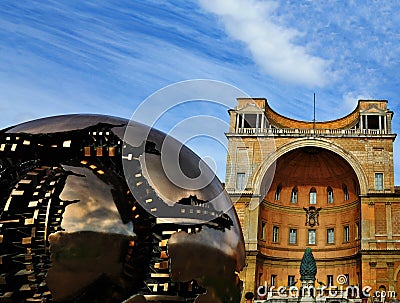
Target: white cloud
point(350, 100)
point(271, 45)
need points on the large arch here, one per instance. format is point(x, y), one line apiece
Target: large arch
point(261, 172)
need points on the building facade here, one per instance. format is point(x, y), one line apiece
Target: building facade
point(325, 185)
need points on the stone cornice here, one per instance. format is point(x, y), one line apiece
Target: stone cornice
point(297, 209)
point(318, 260)
point(380, 252)
point(294, 134)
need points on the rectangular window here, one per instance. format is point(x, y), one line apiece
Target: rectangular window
point(275, 234)
point(330, 232)
point(240, 181)
point(313, 197)
point(292, 236)
point(379, 181)
point(273, 280)
point(329, 279)
point(264, 231)
point(311, 236)
point(346, 233)
point(291, 281)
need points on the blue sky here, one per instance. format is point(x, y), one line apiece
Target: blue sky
point(107, 57)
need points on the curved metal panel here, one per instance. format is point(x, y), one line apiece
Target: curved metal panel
point(75, 227)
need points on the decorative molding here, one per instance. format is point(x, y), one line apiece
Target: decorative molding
point(312, 215)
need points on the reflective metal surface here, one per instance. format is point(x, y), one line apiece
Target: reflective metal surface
point(88, 213)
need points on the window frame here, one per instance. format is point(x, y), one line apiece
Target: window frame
point(294, 195)
point(309, 232)
point(291, 280)
point(346, 233)
point(313, 197)
point(240, 183)
point(345, 192)
point(330, 235)
point(263, 235)
point(290, 236)
point(273, 280)
point(329, 195)
point(329, 280)
point(278, 192)
point(381, 181)
point(275, 234)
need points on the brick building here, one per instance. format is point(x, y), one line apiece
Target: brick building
point(325, 185)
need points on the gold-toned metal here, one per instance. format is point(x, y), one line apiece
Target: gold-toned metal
point(86, 150)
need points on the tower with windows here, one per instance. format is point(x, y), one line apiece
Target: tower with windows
point(328, 186)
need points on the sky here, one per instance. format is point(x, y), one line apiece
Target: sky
point(108, 57)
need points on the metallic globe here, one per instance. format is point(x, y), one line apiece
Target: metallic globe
point(99, 209)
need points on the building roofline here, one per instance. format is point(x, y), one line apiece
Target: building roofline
point(282, 121)
point(319, 123)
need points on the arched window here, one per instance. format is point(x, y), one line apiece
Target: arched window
point(329, 193)
point(293, 197)
point(278, 192)
point(313, 196)
point(345, 192)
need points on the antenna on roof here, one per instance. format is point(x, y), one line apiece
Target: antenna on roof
point(314, 115)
